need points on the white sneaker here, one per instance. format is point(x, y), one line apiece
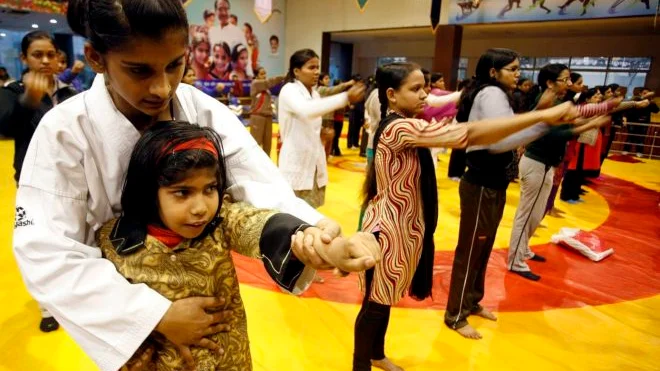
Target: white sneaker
point(625, 153)
point(639, 154)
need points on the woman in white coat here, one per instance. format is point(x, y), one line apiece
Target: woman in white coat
point(301, 108)
point(74, 170)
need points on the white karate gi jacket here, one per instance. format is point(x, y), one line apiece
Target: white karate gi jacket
point(300, 119)
point(71, 185)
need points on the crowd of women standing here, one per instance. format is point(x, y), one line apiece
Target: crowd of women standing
point(72, 160)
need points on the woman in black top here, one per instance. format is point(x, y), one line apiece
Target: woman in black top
point(24, 103)
point(482, 189)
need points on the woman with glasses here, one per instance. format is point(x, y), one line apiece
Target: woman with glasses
point(537, 166)
point(483, 187)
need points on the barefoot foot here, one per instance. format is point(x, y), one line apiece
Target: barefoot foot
point(485, 313)
point(469, 332)
point(385, 364)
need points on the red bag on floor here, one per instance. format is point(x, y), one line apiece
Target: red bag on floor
point(586, 243)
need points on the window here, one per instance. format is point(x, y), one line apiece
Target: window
point(462, 69)
point(385, 60)
point(10, 49)
point(629, 72)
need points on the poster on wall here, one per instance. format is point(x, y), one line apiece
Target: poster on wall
point(491, 11)
point(230, 39)
point(42, 6)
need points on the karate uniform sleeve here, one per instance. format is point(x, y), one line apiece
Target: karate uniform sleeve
point(105, 314)
point(266, 235)
point(311, 108)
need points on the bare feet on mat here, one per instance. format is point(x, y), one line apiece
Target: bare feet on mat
point(485, 313)
point(555, 213)
point(385, 364)
point(469, 332)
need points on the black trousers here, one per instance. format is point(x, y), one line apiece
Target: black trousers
point(339, 126)
point(570, 186)
point(355, 123)
point(363, 142)
point(456, 163)
point(481, 213)
point(370, 328)
point(574, 179)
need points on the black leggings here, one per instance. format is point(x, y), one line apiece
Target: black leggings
point(370, 328)
point(339, 126)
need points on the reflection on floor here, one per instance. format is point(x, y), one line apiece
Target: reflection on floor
point(580, 316)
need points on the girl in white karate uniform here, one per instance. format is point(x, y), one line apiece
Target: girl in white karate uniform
point(75, 166)
point(300, 115)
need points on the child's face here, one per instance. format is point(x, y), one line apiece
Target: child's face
point(202, 53)
point(210, 20)
point(187, 207)
point(189, 77)
point(220, 58)
point(242, 62)
point(440, 84)
point(526, 86)
point(410, 97)
point(61, 63)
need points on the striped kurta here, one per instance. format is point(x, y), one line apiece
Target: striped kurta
point(396, 210)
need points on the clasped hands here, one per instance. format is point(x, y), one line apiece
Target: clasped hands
point(323, 247)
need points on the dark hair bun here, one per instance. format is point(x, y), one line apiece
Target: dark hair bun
point(77, 17)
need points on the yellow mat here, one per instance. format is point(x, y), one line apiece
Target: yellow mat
point(290, 333)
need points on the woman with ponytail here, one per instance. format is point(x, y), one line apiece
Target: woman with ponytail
point(482, 189)
point(301, 109)
point(74, 169)
point(541, 160)
point(401, 200)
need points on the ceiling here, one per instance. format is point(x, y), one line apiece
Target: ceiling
point(642, 26)
point(17, 20)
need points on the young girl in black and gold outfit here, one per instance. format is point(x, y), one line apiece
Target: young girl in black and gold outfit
point(177, 230)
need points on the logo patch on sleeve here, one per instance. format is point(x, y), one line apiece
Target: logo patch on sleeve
point(22, 219)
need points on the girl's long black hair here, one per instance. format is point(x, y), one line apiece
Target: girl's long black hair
point(153, 165)
point(388, 76)
point(393, 76)
point(493, 58)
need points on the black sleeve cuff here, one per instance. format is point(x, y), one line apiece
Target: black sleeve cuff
point(275, 246)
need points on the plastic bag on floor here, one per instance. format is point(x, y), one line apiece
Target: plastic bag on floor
point(586, 243)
